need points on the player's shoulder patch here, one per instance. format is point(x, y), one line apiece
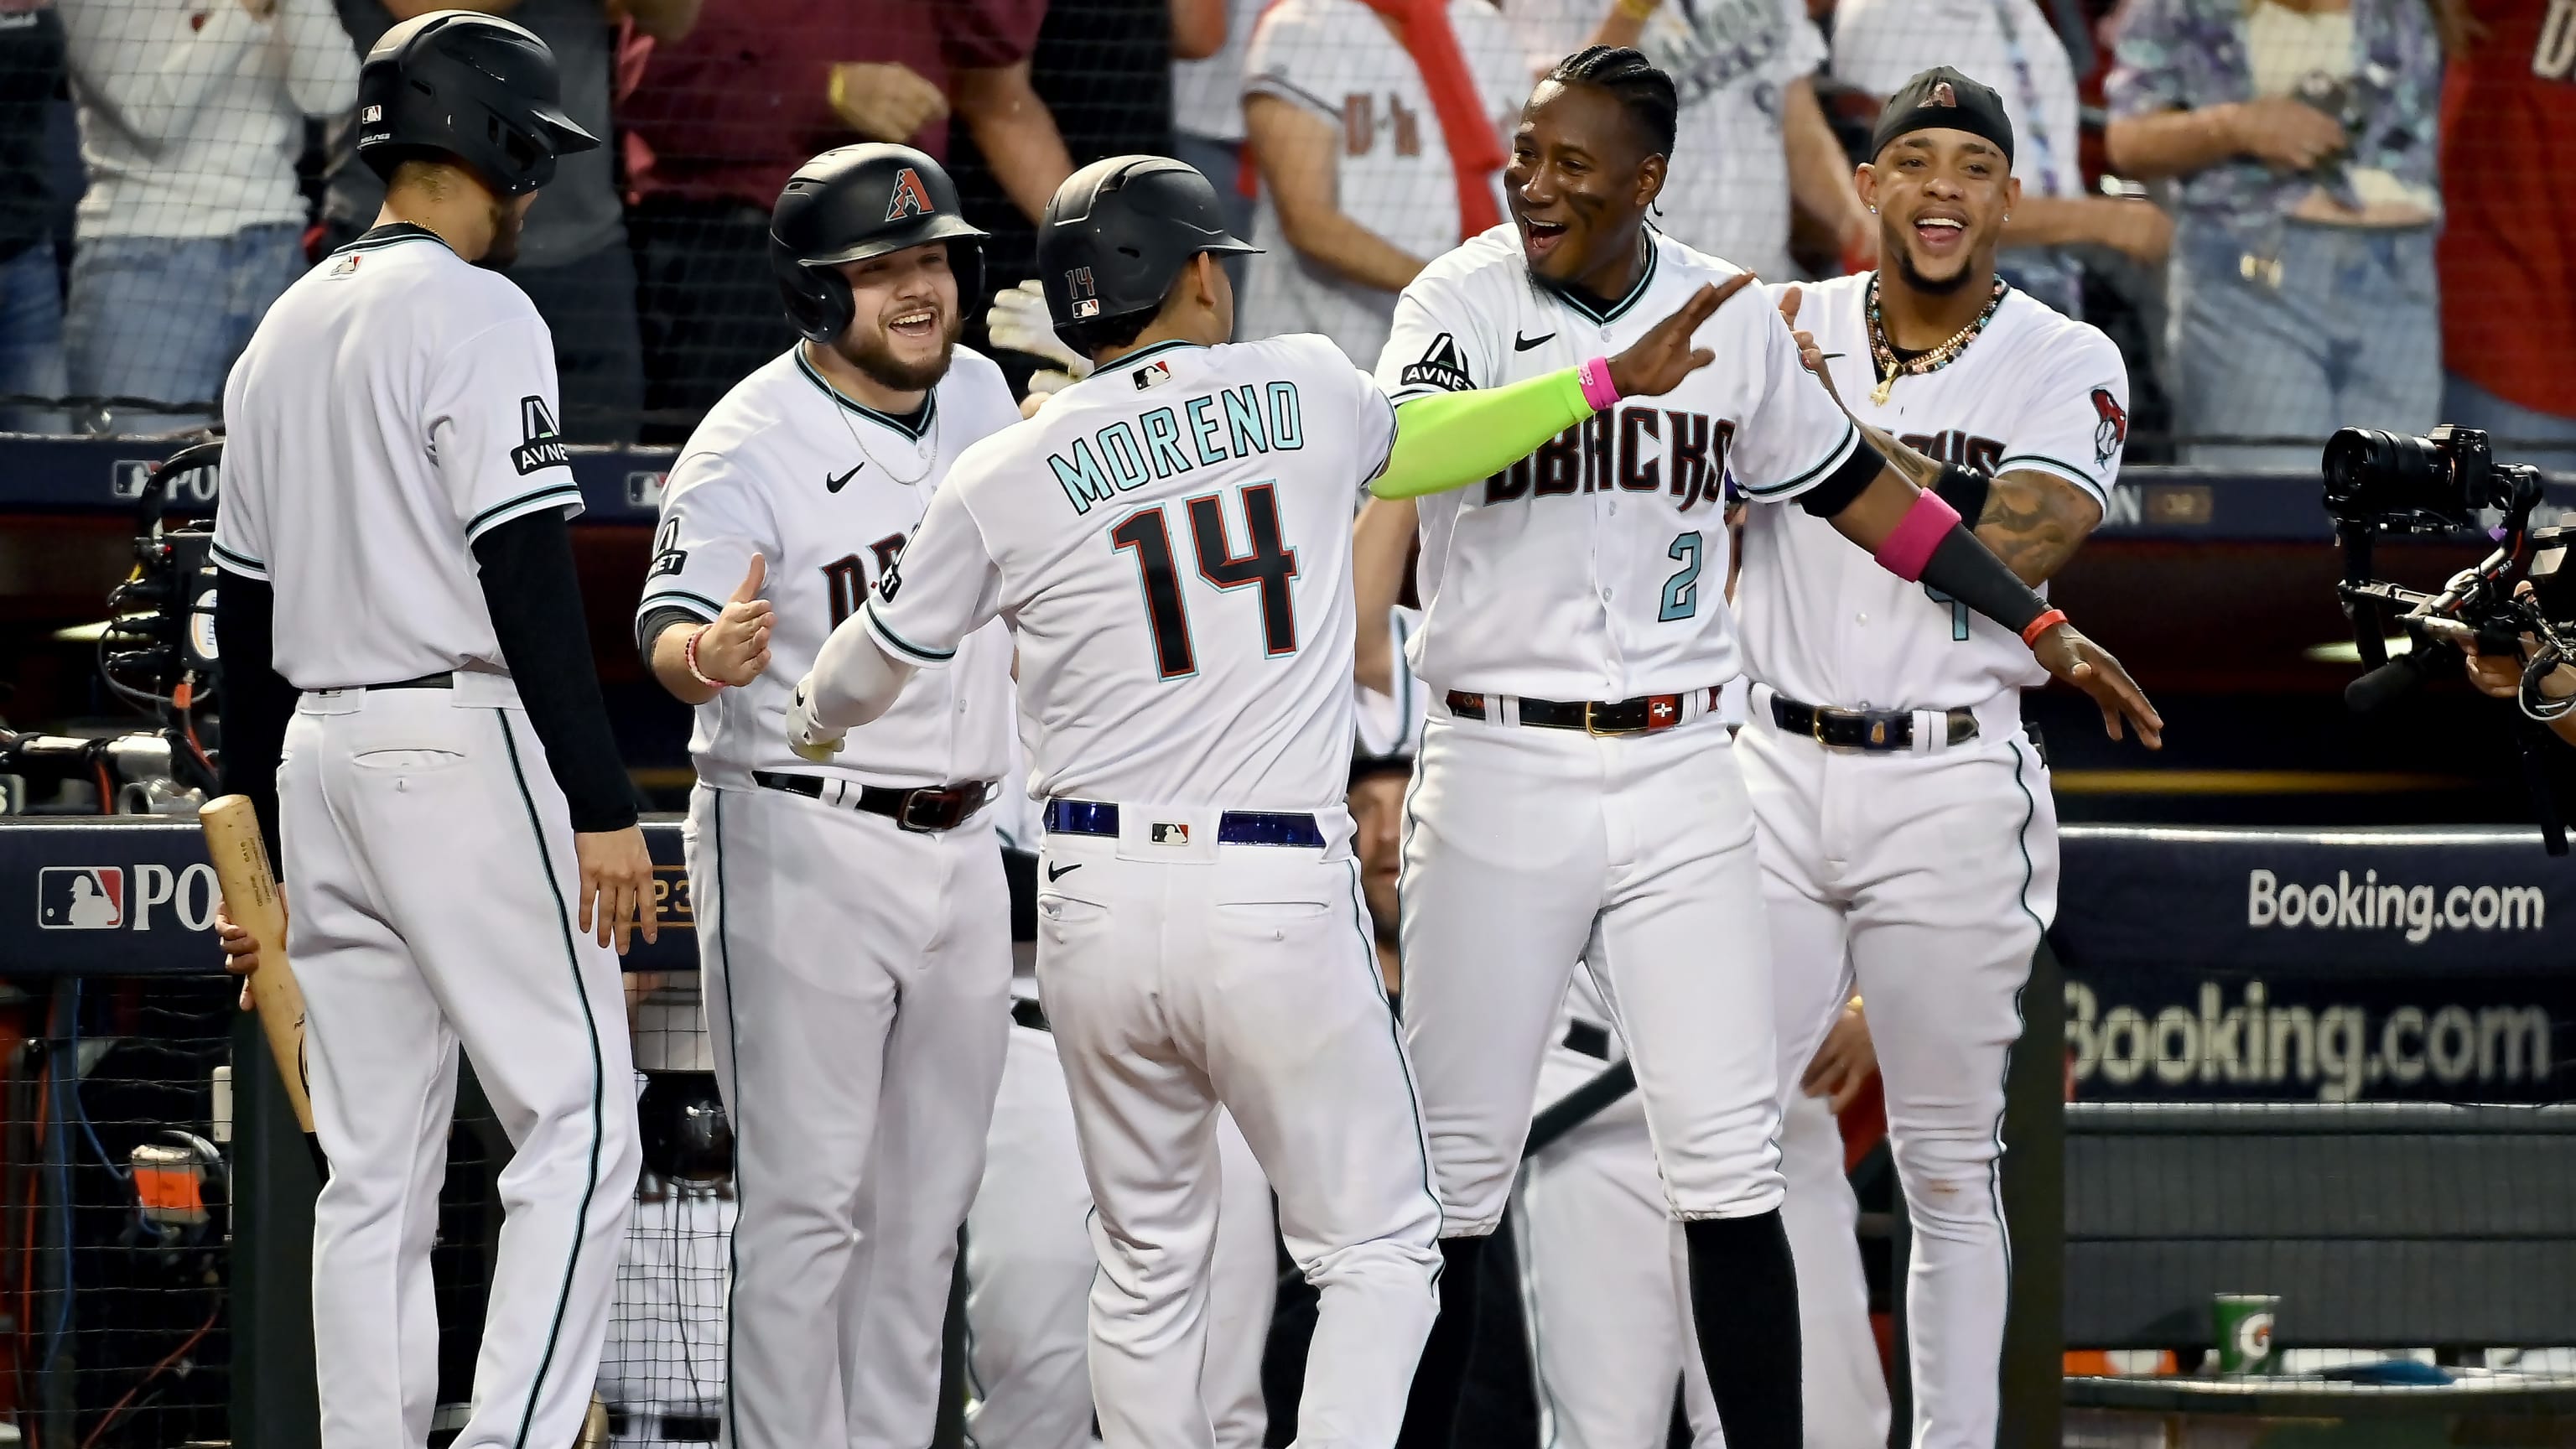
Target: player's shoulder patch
point(1442, 365)
point(540, 445)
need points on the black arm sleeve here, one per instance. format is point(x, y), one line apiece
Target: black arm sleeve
point(1968, 571)
point(255, 700)
point(535, 599)
point(1845, 483)
point(648, 635)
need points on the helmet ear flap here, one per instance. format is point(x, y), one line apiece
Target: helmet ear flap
point(817, 297)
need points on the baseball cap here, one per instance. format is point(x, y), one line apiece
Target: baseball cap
point(1943, 99)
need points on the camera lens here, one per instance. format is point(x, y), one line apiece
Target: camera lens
point(2371, 471)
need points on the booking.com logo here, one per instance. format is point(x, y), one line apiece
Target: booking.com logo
point(2366, 904)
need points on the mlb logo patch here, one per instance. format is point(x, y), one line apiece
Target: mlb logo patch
point(80, 897)
point(371, 115)
point(1943, 94)
point(1171, 832)
point(1152, 373)
point(346, 265)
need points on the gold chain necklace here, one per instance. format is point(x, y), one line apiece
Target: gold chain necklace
point(1883, 353)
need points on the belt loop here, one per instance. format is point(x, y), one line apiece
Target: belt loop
point(1503, 709)
point(1931, 731)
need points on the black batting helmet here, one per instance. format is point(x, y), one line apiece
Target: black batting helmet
point(853, 203)
point(1117, 234)
point(682, 1129)
point(472, 88)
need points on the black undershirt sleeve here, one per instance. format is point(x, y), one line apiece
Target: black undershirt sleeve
point(255, 700)
point(1964, 568)
point(535, 600)
point(1845, 483)
point(648, 635)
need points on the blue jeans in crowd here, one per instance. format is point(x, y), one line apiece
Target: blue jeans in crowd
point(162, 318)
point(2521, 434)
point(2283, 331)
point(31, 339)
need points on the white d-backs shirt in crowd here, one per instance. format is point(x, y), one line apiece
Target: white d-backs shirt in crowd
point(389, 435)
point(1170, 540)
point(827, 491)
point(1823, 623)
point(2010, 45)
point(1392, 173)
point(1595, 568)
point(1727, 190)
point(1207, 95)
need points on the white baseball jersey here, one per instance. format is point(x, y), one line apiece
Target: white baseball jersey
point(1823, 622)
point(1596, 567)
point(1170, 539)
point(827, 491)
point(1879, 45)
point(1392, 173)
point(357, 478)
point(1727, 190)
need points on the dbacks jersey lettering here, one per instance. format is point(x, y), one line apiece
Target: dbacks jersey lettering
point(1170, 539)
point(1823, 623)
point(1596, 568)
point(827, 491)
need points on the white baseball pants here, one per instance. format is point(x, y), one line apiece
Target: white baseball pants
point(857, 981)
point(1183, 976)
point(1606, 1292)
point(1526, 849)
point(431, 884)
point(1029, 1266)
point(1925, 880)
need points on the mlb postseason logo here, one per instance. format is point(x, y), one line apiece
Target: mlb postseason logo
point(80, 897)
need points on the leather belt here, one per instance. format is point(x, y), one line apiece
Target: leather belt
point(1234, 827)
point(1029, 1014)
point(1646, 714)
point(924, 810)
point(1871, 731)
point(441, 680)
point(1585, 1039)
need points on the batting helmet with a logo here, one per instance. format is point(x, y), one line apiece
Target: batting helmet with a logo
point(853, 203)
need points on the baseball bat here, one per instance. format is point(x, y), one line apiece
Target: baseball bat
point(256, 904)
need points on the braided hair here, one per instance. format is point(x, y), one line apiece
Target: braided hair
point(1643, 91)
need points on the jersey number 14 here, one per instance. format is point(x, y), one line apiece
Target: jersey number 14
point(1269, 566)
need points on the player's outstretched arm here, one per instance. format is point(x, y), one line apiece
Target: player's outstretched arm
point(694, 660)
point(1381, 541)
point(854, 680)
point(1449, 440)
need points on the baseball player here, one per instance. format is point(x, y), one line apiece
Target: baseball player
point(852, 915)
point(459, 836)
point(1907, 835)
point(1577, 797)
point(1603, 1286)
point(1363, 176)
point(1170, 540)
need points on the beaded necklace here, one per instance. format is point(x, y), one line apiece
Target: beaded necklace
point(1891, 367)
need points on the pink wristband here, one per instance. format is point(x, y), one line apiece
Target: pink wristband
point(1910, 546)
point(1599, 392)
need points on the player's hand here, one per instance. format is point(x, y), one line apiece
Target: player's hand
point(1656, 363)
point(2285, 133)
point(1018, 321)
point(241, 950)
point(1844, 1063)
point(809, 737)
point(885, 100)
point(735, 648)
point(616, 885)
point(1810, 355)
point(2090, 667)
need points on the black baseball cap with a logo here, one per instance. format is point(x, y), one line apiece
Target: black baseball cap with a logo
point(1943, 99)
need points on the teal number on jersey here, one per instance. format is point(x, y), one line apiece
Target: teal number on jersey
point(1681, 591)
point(1958, 612)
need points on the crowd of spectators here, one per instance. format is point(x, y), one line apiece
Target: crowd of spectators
point(2293, 214)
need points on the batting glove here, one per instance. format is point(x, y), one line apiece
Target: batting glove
point(809, 737)
point(1019, 322)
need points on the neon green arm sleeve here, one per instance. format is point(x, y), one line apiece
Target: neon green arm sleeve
point(1448, 440)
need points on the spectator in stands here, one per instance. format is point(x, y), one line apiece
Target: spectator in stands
point(726, 115)
point(1207, 102)
point(191, 116)
point(1880, 44)
point(2509, 232)
point(1752, 140)
point(2298, 136)
point(31, 289)
point(574, 261)
point(1378, 127)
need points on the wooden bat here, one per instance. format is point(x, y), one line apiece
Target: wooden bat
point(256, 904)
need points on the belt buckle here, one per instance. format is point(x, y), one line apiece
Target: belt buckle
point(1601, 731)
point(933, 808)
point(1816, 726)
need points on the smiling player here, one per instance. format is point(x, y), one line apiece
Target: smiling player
point(852, 918)
point(1577, 796)
point(1907, 835)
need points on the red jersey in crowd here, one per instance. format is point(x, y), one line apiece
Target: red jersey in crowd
point(732, 110)
point(2508, 246)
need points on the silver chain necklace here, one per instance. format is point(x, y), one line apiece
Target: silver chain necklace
point(841, 409)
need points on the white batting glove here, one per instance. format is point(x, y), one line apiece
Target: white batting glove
point(809, 737)
point(1019, 322)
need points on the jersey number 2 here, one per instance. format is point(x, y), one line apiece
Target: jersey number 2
point(1269, 565)
point(1681, 591)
